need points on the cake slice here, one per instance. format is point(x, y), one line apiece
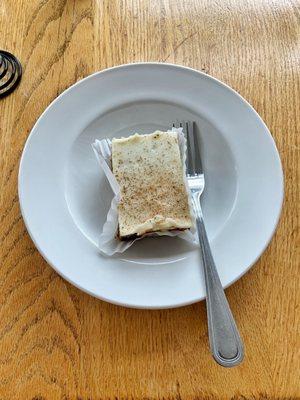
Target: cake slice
point(149, 171)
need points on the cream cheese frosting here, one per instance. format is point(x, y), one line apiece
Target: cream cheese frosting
point(149, 171)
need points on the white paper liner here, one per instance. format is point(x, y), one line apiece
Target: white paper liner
point(109, 243)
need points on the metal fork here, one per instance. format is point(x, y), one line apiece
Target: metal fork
point(225, 341)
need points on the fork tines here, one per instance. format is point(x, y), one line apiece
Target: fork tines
point(193, 163)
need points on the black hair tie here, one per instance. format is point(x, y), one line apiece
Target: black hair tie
point(10, 73)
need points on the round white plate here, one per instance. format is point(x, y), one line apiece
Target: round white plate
point(65, 197)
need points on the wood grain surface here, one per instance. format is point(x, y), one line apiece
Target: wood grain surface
point(59, 343)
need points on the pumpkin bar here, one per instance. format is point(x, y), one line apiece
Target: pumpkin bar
point(149, 171)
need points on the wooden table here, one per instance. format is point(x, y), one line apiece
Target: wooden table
point(59, 343)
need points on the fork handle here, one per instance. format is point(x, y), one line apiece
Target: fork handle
point(224, 338)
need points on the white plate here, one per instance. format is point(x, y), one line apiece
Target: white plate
point(64, 196)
